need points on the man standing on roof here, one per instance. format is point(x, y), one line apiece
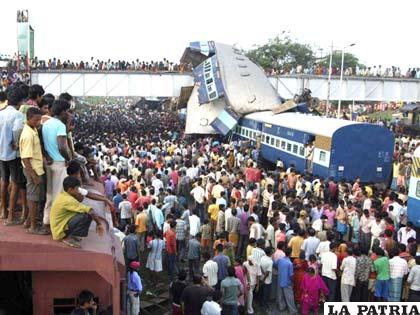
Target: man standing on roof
point(54, 136)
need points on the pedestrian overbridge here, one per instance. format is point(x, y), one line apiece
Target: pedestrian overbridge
point(169, 84)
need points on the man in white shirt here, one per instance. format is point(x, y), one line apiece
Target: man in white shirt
point(398, 268)
point(157, 184)
point(210, 269)
point(310, 244)
point(405, 233)
point(256, 230)
point(266, 278)
point(192, 172)
point(194, 223)
point(199, 195)
point(348, 266)
point(328, 272)
point(258, 252)
point(377, 227)
point(324, 246)
point(271, 228)
point(253, 273)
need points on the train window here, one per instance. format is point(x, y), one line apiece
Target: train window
point(254, 135)
point(295, 149)
point(267, 139)
point(272, 141)
point(283, 145)
point(322, 156)
point(289, 147)
point(212, 95)
point(277, 143)
point(247, 133)
point(302, 151)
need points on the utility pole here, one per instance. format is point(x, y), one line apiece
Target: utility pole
point(329, 80)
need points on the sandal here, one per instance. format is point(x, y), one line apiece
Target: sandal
point(11, 223)
point(77, 239)
point(37, 231)
point(71, 243)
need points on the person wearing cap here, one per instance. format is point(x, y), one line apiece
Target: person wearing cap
point(134, 288)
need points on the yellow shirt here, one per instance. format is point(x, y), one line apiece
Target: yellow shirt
point(395, 168)
point(369, 191)
point(64, 207)
point(249, 249)
point(30, 148)
point(141, 222)
point(213, 210)
point(295, 243)
point(217, 189)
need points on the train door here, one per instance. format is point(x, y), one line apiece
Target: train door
point(258, 141)
point(309, 153)
point(413, 210)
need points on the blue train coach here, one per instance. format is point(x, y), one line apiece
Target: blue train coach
point(414, 190)
point(341, 148)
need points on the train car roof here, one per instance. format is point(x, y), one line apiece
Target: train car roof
point(317, 125)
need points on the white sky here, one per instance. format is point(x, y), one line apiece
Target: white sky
point(385, 32)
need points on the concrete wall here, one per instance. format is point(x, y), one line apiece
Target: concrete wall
point(51, 285)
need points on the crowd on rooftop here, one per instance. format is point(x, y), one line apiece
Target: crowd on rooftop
point(232, 234)
point(370, 72)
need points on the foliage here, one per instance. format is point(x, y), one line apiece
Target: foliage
point(282, 52)
point(286, 53)
point(350, 60)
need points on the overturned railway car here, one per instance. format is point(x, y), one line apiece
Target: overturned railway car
point(342, 149)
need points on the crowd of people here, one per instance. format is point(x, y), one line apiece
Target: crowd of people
point(375, 71)
point(95, 64)
point(233, 235)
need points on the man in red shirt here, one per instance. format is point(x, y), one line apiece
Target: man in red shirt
point(170, 236)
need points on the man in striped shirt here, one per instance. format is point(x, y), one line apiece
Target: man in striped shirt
point(398, 268)
point(180, 230)
point(258, 251)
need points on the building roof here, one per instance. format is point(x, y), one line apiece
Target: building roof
point(317, 125)
point(22, 251)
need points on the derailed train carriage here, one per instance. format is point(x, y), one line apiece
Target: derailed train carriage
point(341, 148)
point(231, 94)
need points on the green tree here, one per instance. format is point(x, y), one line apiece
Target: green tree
point(282, 52)
point(350, 60)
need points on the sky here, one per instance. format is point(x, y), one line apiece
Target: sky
point(385, 32)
